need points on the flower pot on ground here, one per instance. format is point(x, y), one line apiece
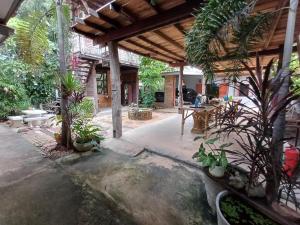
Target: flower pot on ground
point(86, 135)
point(84, 147)
point(231, 210)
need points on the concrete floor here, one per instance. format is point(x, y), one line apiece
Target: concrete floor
point(162, 136)
point(103, 188)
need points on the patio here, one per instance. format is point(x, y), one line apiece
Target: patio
point(106, 188)
point(150, 172)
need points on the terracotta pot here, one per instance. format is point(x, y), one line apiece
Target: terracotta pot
point(83, 147)
point(217, 171)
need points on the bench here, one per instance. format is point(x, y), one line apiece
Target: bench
point(35, 121)
point(16, 121)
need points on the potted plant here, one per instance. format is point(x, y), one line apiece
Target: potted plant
point(86, 135)
point(216, 159)
point(216, 162)
point(233, 211)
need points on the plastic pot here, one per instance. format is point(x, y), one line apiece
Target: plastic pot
point(83, 147)
point(220, 216)
point(217, 171)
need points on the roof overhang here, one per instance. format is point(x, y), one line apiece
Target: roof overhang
point(7, 10)
point(158, 31)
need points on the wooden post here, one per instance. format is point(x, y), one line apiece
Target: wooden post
point(298, 46)
point(180, 94)
point(116, 89)
point(137, 92)
point(279, 124)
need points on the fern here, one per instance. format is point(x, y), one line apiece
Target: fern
point(34, 33)
point(31, 39)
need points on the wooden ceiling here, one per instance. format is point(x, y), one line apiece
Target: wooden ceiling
point(158, 30)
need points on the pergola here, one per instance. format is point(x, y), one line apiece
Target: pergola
point(158, 31)
point(7, 10)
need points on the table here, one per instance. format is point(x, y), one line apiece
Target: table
point(34, 112)
point(201, 117)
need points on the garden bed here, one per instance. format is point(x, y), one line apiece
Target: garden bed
point(140, 114)
point(260, 204)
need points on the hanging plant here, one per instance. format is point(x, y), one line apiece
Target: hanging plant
point(220, 24)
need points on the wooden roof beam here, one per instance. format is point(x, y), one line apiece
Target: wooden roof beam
point(179, 28)
point(168, 39)
point(91, 25)
point(106, 19)
point(270, 35)
point(89, 35)
point(151, 23)
point(123, 11)
point(155, 7)
point(146, 40)
point(152, 50)
point(142, 54)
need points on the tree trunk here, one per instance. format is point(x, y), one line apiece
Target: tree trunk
point(279, 124)
point(65, 130)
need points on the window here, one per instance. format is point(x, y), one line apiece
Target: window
point(102, 87)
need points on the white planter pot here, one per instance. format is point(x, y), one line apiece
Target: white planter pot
point(217, 171)
point(221, 218)
point(212, 189)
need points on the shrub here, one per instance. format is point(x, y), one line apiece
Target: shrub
point(12, 98)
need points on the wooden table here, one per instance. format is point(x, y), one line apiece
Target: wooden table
point(201, 117)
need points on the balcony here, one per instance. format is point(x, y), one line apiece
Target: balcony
point(86, 48)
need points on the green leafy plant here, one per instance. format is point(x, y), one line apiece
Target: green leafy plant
point(237, 212)
point(216, 156)
point(13, 96)
point(85, 132)
point(150, 74)
point(70, 83)
point(84, 109)
point(224, 30)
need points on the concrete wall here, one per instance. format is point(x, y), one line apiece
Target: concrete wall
point(91, 88)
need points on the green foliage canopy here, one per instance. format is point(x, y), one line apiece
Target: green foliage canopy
point(223, 23)
point(150, 75)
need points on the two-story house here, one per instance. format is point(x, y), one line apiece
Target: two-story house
point(91, 64)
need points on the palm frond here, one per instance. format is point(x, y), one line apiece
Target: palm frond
point(220, 24)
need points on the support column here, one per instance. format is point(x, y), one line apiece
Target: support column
point(180, 94)
point(116, 89)
point(298, 46)
point(91, 88)
point(279, 124)
point(137, 89)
